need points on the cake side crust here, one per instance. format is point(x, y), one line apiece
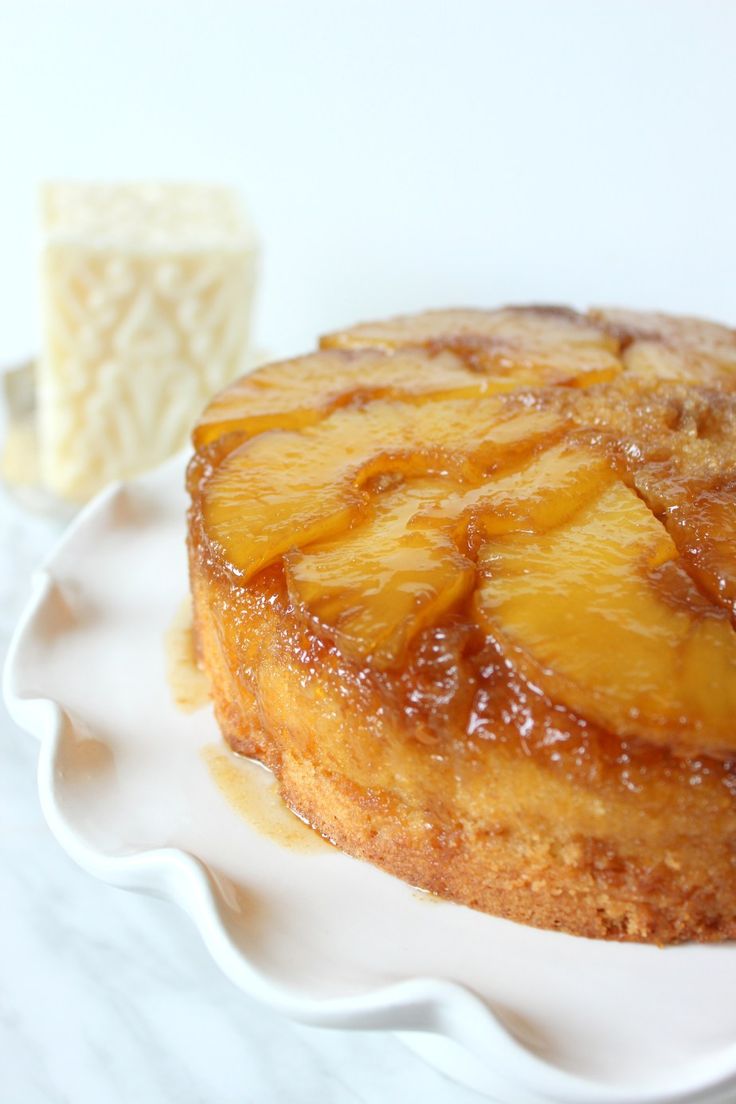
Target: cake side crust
point(576, 882)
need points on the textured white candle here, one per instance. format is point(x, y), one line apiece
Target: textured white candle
point(146, 300)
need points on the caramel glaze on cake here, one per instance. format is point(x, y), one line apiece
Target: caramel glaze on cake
point(466, 582)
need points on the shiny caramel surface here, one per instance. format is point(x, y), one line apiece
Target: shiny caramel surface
point(457, 704)
point(514, 526)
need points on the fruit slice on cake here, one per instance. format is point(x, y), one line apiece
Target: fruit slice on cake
point(296, 393)
point(533, 346)
point(377, 586)
point(666, 347)
point(282, 490)
point(704, 530)
point(601, 616)
point(545, 491)
point(410, 560)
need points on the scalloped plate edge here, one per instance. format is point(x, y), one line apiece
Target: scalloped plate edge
point(418, 1008)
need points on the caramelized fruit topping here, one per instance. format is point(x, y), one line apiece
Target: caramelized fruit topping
point(534, 346)
point(379, 584)
point(282, 489)
point(555, 489)
point(297, 393)
point(599, 614)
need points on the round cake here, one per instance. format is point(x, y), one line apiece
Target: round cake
point(466, 582)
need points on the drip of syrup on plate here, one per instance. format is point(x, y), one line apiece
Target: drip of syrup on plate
point(251, 790)
point(247, 786)
point(187, 682)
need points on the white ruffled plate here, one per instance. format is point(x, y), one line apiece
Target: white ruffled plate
point(526, 1016)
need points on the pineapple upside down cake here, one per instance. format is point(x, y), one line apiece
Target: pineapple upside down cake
point(466, 582)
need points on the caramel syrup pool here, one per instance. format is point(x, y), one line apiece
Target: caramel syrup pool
point(188, 684)
point(247, 786)
point(251, 790)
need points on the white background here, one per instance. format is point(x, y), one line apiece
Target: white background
point(394, 155)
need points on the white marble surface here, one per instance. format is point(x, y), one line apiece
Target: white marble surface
point(109, 996)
